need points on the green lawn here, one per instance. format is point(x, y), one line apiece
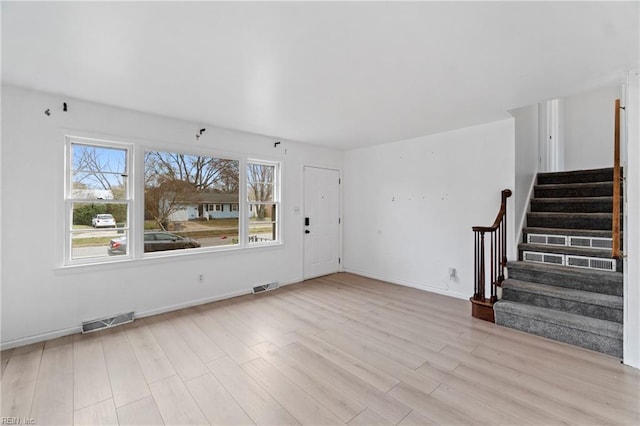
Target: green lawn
point(90, 242)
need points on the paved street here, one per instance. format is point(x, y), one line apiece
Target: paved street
point(98, 251)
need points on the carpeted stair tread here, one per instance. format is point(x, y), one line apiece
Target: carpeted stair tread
point(594, 305)
point(573, 204)
point(578, 322)
point(576, 176)
point(591, 333)
point(570, 220)
point(604, 282)
point(574, 190)
point(598, 233)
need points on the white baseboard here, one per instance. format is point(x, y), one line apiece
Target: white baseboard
point(419, 286)
point(49, 335)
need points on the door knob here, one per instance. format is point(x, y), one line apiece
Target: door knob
point(306, 231)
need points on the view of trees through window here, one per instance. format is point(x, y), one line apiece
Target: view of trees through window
point(189, 201)
point(191, 197)
point(98, 198)
point(263, 214)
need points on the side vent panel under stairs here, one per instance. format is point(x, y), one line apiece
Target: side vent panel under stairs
point(101, 324)
point(265, 287)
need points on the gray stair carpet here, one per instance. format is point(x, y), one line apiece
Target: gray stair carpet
point(564, 276)
point(591, 333)
point(579, 306)
point(587, 303)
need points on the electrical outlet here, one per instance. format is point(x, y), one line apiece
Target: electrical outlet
point(201, 277)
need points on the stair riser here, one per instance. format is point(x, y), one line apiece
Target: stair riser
point(607, 345)
point(578, 282)
point(569, 222)
point(605, 175)
point(589, 191)
point(572, 207)
point(574, 307)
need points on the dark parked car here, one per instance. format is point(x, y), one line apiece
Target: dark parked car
point(154, 241)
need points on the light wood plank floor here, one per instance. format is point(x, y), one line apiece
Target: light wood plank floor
point(341, 349)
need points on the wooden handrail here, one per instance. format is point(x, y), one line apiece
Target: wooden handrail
point(482, 306)
point(615, 235)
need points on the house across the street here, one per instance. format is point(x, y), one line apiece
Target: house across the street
point(208, 206)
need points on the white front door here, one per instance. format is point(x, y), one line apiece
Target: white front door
point(322, 221)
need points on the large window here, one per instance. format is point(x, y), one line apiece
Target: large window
point(98, 201)
point(263, 202)
point(184, 199)
point(188, 202)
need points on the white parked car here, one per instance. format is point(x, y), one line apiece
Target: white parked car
point(103, 221)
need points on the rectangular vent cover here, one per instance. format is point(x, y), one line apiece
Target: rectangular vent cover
point(598, 263)
point(554, 240)
point(590, 242)
point(556, 259)
point(591, 262)
point(101, 324)
point(265, 287)
point(568, 240)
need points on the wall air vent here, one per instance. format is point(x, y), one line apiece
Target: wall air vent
point(265, 287)
point(101, 324)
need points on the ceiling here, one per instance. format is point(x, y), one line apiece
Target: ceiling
point(339, 74)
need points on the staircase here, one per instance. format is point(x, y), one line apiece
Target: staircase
point(566, 286)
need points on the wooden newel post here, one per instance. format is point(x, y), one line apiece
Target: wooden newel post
point(481, 306)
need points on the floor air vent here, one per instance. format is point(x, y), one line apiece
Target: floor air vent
point(265, 287)
point(101, 324)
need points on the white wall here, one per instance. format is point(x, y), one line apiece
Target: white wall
point(632, 224)
point(588, 129)
point(526, 162)
point(41, 299)
point(409, 206)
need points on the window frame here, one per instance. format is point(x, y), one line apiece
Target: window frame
point(134, 201)
point(276, 200)
point(70, 200)
point(187, 152)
